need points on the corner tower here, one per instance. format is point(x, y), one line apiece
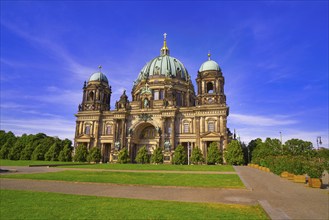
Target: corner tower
point(210, 82)
point(95, 100)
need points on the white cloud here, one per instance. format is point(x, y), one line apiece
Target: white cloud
point(52, 126)
point(262, 121)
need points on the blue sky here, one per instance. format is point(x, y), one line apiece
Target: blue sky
point(274, 56)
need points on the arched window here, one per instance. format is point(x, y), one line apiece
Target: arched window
point(186, 128)
point(210, 87)
point(108, 130)
point(90, 96)
point(87, 129)
point(211, 126)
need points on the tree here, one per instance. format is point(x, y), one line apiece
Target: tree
point(142, 156)
point(157, 156)
point(123, 156)
point(197, 156)
point(233, 154)
point(213, 154)
point(66, 154)
point(297, 147)
point(53, 152)
point(94, 155)
point(5, 151)
point(39, 153)
point(180, 156)
point(81, 153)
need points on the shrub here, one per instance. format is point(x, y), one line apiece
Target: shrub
point(94, 155)
point(81, 154)
point(123, 156)
point(197, 156)
point(142, 156)
point(180, 156)
point(213, 154)
point(233, 153)
point(157, 156)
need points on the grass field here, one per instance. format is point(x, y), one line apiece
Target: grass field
point(41, 205)
point(29, 162)
point(218, 168)
point(158, 179)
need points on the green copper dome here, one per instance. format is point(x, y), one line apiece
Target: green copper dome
point(164, 66)
point(98, 76)
point(209, 65)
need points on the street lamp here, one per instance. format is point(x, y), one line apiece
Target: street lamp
point(318, 141)
point(281, 142)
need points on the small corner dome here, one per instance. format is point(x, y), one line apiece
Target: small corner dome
point(98, 76)
point(209, 65)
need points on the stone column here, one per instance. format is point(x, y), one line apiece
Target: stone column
point(163, 132)
point(197, 131)
point(114, 131)
point(80, 127)
point(172, 134)
point(123, 131)
point(225, 133)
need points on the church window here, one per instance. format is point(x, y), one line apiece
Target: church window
point(90, 96)
point(178, 99)
point(211, 126)
point(161, 94)
point(210, 87)
point(186, 128)
point(156, 95)
point(108, 129)
point(87, 129)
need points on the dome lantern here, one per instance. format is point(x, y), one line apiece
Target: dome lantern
point(164, 50)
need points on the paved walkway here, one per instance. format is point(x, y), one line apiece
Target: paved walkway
point(280, 198)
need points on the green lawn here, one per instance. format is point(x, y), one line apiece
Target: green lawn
point(41, 205)
point(218, 168)
point(158, 179)
point(169, 167)
point(29, 162)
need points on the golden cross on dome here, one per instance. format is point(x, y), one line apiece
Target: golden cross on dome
point(100, 68)
point(209, 55)
point(165, 36)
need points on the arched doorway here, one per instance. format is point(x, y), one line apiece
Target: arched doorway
point(145, 134)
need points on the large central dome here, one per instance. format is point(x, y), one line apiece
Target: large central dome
point(163, 66)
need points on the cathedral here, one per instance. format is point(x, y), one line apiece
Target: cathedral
point(164, 110)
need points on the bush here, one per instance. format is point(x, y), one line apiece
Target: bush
point(94, 155)
point(197, 156)
point(233, 153)
point(123, 156)
point(81, 154)
point(213, 154)
point(180, 156)
point(142, 156)
point(157, 156)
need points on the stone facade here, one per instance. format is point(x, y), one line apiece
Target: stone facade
point(164, 110)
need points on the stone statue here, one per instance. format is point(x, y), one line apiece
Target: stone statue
point(146, 103)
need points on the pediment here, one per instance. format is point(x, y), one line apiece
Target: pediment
point(210, 135)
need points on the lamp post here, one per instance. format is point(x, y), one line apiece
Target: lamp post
point(318, 141)
point(281, 142)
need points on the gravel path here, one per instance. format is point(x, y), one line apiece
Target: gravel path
point(280, 198)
